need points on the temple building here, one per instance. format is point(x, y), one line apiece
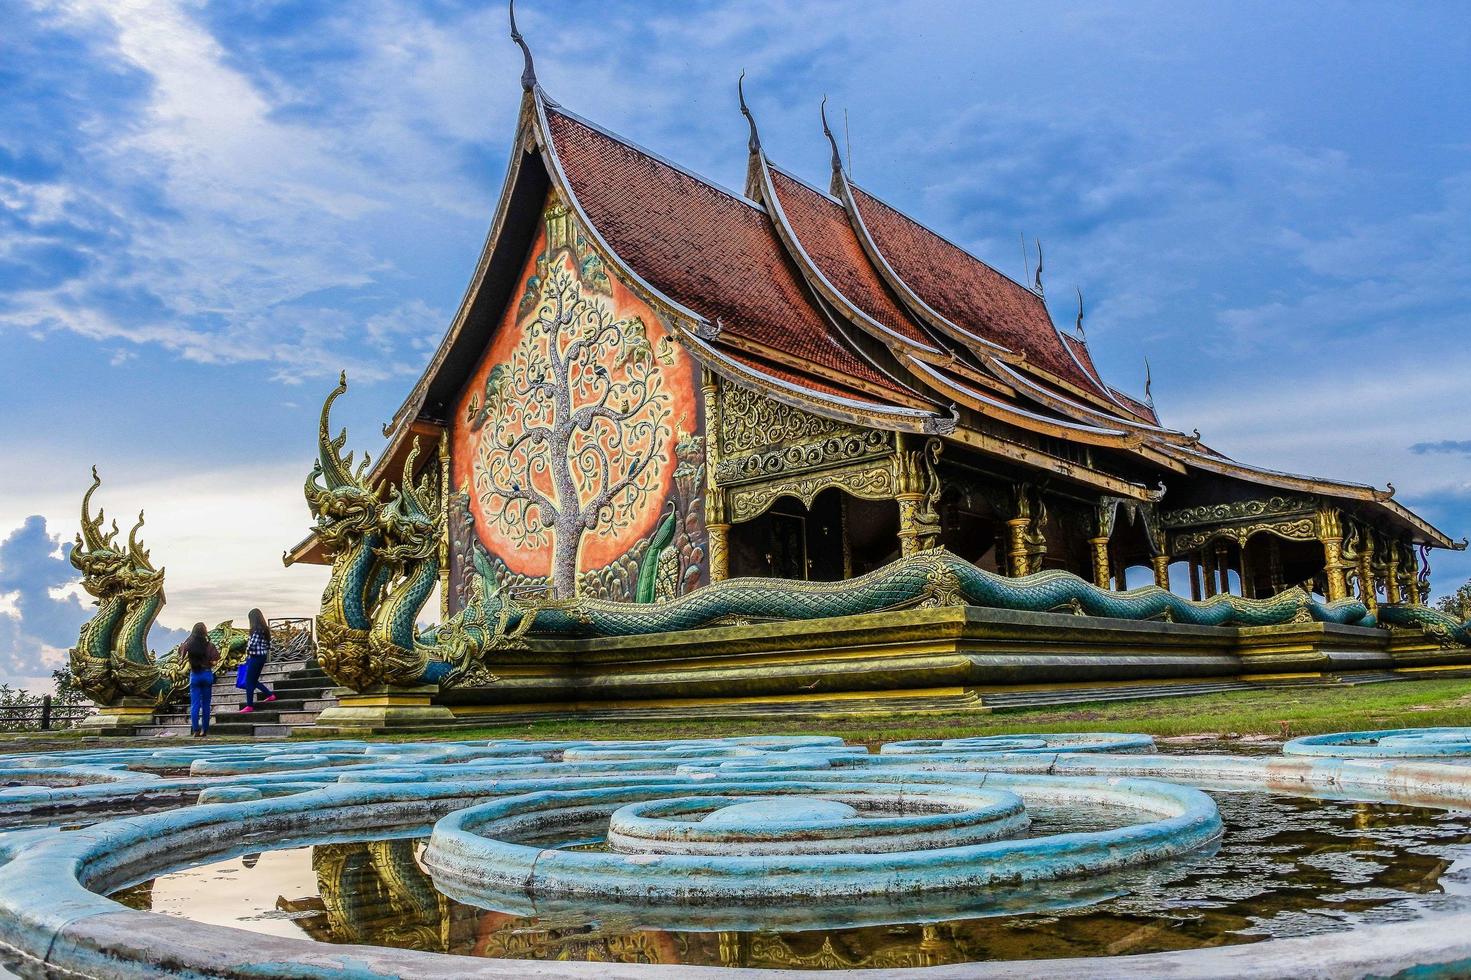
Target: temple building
point(654, 382)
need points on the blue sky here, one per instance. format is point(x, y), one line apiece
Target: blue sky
point(210, 210)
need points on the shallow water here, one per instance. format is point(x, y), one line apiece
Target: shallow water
point(1288, 866)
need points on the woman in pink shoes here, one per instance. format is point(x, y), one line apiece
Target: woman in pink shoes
point(257, 651)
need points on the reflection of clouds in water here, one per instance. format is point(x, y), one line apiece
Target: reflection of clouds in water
point(228, 894)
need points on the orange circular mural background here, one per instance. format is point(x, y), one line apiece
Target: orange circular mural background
point(521, 549)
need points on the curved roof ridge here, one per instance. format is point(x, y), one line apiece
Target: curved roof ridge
point(846, 408)
point(953, 244)
point(1222, 460)
point(704, 252)
point(778, 168)
point(812, 270)
point(632, 144)
point(982, 397)
point(1090, 370)
point(1041, 393)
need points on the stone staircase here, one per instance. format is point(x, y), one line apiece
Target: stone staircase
point(302, 692)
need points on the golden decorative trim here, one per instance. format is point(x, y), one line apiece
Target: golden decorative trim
point(1241, 510)
point(871, 481)
point(1303, 529)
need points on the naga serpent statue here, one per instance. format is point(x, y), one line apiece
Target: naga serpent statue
point(111, 660)
point(384, 545)
point(1447, 630)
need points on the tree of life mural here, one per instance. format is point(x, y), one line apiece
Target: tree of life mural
point(575, 422)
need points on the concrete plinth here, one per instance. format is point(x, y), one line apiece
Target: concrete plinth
point(953, 658)
point(384, 709)
point(119, 719)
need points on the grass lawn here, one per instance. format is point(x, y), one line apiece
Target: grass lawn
point(1271, 712)
point(1304, 710)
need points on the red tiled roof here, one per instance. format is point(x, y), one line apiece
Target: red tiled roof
point(822, 227)
point(967, 291)
point(1084, 355)
point(797, 378)
point(1141, 408)
point(703, 247)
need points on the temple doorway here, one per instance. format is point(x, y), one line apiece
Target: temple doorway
point(837, 537)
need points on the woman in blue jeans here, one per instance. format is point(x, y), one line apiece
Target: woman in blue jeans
point(202, 655)
point(257, 650)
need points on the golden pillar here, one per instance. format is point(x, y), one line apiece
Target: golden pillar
point(1025, 541)
point(1016, 530)
point(717, 523)
point(1330, 534)
point(917, 486)
point(1101, 573)
point(1161, 565)
point(1412, 576)
point(909, 531)
point(719, 551)
point(1367, 589)
point(1391, 574)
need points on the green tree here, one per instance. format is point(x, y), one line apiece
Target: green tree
point(1458, 603)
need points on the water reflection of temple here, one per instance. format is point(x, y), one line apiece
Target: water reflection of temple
point(377, 894)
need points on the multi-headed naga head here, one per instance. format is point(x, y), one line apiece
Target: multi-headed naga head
point(410, 521)
point(95, 553)
point(343, 502)
point(139, 577)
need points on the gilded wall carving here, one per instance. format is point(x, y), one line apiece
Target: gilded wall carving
point(1303, 529)
point(577, 434)
point(751, 421)
point(836, 450)
point(874, 481)
point(1241, 510)
point(761, 439)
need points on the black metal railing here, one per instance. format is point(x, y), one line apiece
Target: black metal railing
point(43, 716)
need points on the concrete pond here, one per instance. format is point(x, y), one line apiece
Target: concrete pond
point(1025, 855)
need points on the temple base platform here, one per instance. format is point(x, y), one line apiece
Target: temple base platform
point(122, 718)
point(937, 660)
point(381, 710)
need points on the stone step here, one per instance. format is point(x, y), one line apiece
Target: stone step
point(217, 708)
point(301, 689)
point(279, 677)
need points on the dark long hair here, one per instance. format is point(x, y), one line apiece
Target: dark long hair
point(196, 647)
point(258, 623)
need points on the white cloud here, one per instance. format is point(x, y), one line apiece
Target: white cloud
point(218, 533)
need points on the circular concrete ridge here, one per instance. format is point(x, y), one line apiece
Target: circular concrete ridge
point(474, 855)
point(1394, 743)
point(1086, 742)
point(834, 822)
point(53, 919)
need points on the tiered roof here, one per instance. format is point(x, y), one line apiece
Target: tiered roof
point(835, 302)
